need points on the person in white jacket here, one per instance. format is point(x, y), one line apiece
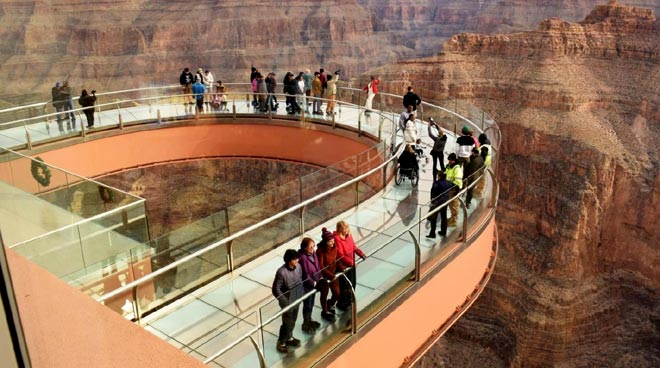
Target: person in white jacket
point(208, 84)
point(410, 132)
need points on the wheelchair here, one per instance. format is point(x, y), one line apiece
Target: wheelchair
point(410, 173)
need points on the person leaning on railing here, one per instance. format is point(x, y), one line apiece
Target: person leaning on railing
point(328, 262)
point(347, 251)
point(455, 176)
point(311, 274)
point(87, 101)
point(473, 170)
point(287, 288)
point(486, 153)
point(465, 143)
point(411, 99)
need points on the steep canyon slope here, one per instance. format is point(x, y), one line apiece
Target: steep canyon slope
point(577, 282)
point(133, 43)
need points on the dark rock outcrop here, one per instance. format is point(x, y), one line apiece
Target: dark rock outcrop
point(577, 282)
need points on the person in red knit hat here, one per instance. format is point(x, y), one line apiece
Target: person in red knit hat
point(328, 262)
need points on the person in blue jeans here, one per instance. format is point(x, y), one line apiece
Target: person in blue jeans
point(198, 90)
point(311, 274)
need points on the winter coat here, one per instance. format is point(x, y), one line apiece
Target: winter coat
point(346, 249)
point(329, 261)
point(311, 271)
point(287, 286)
point(439, 142)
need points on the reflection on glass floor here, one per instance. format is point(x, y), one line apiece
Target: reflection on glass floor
point(216, 315)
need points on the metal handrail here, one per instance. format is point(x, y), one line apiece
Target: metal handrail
point(417, 277)
point(133, 285)
point(279, 313)
point(424, 103)
point(75, 224)
point(242, 232)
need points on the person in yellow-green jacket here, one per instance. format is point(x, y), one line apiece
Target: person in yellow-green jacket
point(455, 176)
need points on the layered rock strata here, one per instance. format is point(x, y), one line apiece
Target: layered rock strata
point(135, 43)
point(181, 193)
point(577, 282)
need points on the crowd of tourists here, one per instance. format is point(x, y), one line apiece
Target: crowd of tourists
point(202, 90)
point(464, 167)
point(321, 269)
point(62, 100)
point(306, 91)
point(328, 269)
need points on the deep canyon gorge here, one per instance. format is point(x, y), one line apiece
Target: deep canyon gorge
point(574, 87)
point(140, 43)
point(577, 283)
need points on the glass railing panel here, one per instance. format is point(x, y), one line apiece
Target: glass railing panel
point(259, 208)
point(59, 252)
point(101, 277)
point(318, 212)
point(327, 336)
point(391, 264)
point(39, 129)
point(99, 241)
point(182, 279)
point(242, 355)
point(106, 118)
point(271, 235)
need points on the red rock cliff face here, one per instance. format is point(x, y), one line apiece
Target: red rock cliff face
point(131, 43)
point(577, 282)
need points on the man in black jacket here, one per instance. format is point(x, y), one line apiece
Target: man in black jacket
point(186, 80)
point(411, 99)
point(473, 170)
point(439, 196)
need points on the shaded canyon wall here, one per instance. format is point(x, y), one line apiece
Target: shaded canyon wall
point(180, 193)
point(136, 43)
point(577, 282)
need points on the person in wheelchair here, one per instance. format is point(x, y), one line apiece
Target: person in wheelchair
point(408, 162)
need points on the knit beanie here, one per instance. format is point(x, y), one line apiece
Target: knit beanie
point(326, 235)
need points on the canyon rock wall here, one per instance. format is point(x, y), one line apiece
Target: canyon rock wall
point(135, 43)
point(577, 282)
point(180, 193)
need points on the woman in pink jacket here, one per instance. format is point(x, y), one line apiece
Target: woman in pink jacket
point(347, 249)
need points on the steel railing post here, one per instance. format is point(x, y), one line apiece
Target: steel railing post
point(230, 250)
point(302, 209)
point(464, 226)
point(28, 139)
point(418, 256)
point(136, 306)
point(357, 183)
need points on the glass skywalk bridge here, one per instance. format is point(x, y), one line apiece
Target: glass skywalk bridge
point(219, 323)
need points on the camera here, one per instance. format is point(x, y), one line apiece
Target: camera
point(338, 71)
point(93, 91)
